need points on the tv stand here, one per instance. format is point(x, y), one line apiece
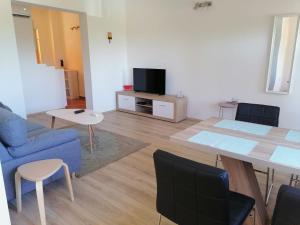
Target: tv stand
point(163, 107)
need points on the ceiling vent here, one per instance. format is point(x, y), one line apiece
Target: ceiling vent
point(205, 4)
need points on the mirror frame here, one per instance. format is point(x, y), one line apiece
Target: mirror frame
point(272, 51)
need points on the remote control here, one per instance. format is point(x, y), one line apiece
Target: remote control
point(79, 111)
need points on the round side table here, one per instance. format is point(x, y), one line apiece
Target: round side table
point(37, 172)
point(226, 105)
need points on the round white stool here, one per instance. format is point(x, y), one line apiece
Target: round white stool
point(37, 172)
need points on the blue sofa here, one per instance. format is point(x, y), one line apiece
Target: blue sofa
point(22, 142)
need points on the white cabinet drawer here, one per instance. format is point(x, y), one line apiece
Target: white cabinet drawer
point(163, 109)
point(126, 102)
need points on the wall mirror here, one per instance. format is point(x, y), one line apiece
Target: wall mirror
point(285, 35)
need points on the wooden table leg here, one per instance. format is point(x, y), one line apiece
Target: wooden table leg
point(18, 191)
point(93, 132)
point(159, 219)
point(40, 200)
point(243, 180)
point(220, 112)
point(52, 122)
point(68, 179)
point(91, 137)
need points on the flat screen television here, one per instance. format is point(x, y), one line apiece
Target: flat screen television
point(149, 80)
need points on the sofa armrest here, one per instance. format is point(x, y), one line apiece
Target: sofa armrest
point(4, 155)
point(44, 141)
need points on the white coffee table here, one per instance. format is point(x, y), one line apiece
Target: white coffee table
point(37, 172)
point(87, 118)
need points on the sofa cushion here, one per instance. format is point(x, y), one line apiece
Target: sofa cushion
point(37, 132)
point(5, 107)
point(35, 129)
point(4, 155)
point(32, 126)
point(13, 129)
point(44, 141)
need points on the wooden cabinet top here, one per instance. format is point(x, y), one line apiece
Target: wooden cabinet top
point(166, 98)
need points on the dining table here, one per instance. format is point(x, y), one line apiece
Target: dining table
point(241, 146)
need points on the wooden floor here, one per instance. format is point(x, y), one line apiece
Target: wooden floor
point(122, 193)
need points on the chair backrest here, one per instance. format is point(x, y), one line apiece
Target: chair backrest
point(260, 114)
point(190, 193)
point(287, 209)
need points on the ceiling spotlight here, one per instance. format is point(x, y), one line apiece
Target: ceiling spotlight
point(24, 9)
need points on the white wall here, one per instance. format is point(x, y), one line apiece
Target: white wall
point(44, 86)
point(4, 215)
point(108, 61)
point(11, 91)
point(41, 20)
point(212, 54)
point(86, 61)
point(58, 37)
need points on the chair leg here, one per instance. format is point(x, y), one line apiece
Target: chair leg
point(254, 216)
point(297, 180)
point(269, 187)
point(68, 180)
point(40, 200)
point(217, 159)
point(291, 179)
point(267, 184)
point(91, 138)
point(18, 191)
point(73, 175)
point(294, 180)
point(159, 219)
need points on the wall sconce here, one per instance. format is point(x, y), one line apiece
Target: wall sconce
point(75, 28)
point(205, 4)
point(109, 37)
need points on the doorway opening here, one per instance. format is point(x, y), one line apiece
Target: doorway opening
point(57, 43)
point(62, 31)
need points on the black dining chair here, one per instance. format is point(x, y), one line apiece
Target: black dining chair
point(191, 193)
point(287, 206)
point(260, 114)
point(264, 115)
